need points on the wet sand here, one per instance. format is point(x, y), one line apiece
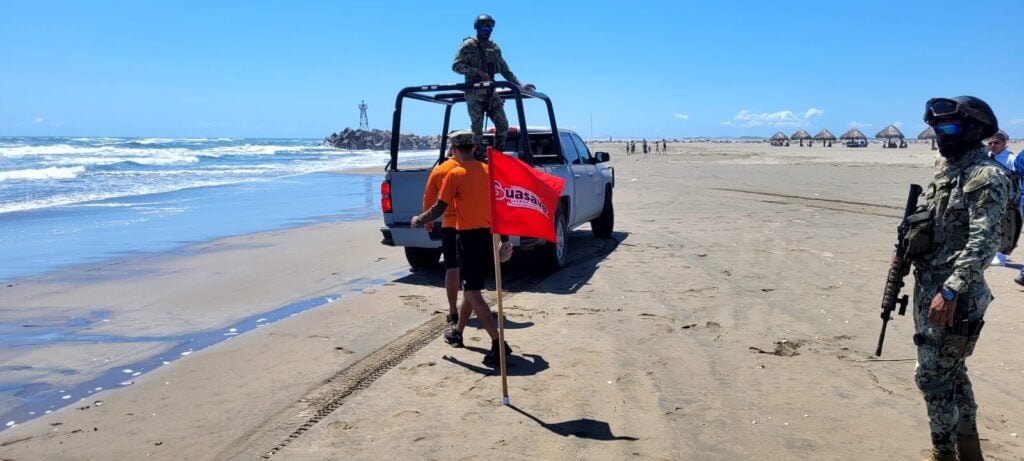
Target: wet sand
point(733, 316)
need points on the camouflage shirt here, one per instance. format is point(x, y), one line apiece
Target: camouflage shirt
point(968, 196)
point(474, 55)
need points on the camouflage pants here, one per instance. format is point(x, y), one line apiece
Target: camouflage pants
point(493, 106)
point(941, 371)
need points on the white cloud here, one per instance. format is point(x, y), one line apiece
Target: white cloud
point(39, 120)
point(856, 124)
point(682, 116)
point(780, 119)
point(1017, 121)
point(812, 112)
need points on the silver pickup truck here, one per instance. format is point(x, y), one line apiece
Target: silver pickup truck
point(586, 197)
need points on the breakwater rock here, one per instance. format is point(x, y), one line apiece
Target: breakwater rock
point(379, 140)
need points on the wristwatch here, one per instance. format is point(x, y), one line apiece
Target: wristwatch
point(947, 293)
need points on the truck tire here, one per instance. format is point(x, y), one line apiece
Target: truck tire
point(605, 223)
point(554, 253)
point(422, 258)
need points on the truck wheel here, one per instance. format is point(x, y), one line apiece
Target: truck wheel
point(605, 223)
point(422, 258)
point(554, 253)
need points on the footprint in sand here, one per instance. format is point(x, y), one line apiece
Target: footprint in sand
point(340, 426)
point(406, 414)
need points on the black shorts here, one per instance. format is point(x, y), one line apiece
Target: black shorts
point(475, 257)
point(449, 248)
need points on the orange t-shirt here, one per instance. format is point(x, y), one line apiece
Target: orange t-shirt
point(433, 190)
point(467, 188)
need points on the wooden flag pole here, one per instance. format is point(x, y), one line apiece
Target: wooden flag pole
point(496, 241)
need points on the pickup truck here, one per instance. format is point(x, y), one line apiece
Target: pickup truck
point(586, 197)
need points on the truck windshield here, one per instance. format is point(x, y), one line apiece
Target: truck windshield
point(541, 145)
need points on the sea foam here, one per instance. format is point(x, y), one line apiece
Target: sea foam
point(42, 174)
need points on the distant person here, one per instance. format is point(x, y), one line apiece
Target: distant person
point(997, 151)
point(645, 146)
point(448, 247)
point(664, 146)
point(479, 59)
point(467, 188)
point(657, 148)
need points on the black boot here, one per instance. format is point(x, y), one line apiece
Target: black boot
point(492, 358)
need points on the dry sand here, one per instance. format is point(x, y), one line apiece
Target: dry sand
point(733, 316)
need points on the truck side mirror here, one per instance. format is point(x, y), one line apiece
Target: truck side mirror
point(601, 157)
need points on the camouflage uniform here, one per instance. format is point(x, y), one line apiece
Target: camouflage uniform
point(968, 196)
point(474, 55)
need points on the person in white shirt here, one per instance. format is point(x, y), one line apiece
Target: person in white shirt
point(997, 151)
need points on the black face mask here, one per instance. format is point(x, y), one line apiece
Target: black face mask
point(483, 36)
point(953, 146)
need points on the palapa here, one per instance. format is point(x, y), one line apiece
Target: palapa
point(890, 132)
point(824, 135)
point(801, 135)
point(852, 135)
point(779, 136)
point(928, 133)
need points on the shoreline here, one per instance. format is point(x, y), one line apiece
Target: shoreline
point(41, 323)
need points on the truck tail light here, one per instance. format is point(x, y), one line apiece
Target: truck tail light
point(385, 196)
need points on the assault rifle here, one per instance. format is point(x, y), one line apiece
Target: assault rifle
point(898, 268)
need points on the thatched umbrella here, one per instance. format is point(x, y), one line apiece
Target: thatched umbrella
point(853, 134)
point(778, 138)
point(824, 135)
point(928, 133)
point(890, 132)
point(801, 135)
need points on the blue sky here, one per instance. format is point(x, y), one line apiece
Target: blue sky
point(644, 68)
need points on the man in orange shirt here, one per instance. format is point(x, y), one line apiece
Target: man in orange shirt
point(467, 188)
point(448, 245)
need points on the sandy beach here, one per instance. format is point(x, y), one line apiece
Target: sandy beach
point(732, 316)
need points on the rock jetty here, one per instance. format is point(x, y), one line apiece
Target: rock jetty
point(379, 140)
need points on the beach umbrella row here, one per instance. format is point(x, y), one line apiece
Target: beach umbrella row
point(889, 132)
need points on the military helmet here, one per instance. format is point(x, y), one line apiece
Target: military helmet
point(962, 108)
point(462, 138)
point(483, 20)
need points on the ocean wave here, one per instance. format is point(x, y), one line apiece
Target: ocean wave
point(43, 173)
point(147, 141)
point(88, 198)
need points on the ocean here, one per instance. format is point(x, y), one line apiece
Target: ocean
point(65, 201)
point(71, 201)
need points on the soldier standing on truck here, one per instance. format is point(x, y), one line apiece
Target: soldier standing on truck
point(479, 59)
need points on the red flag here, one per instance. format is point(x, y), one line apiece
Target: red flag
point(525, 199)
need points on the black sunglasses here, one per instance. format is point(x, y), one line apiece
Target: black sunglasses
point(937, 108)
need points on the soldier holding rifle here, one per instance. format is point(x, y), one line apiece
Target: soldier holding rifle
point(951, 240)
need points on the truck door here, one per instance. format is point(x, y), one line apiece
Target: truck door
point(581, 175)
point(595, 185)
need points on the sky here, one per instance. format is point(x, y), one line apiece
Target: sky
point(652, 69)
